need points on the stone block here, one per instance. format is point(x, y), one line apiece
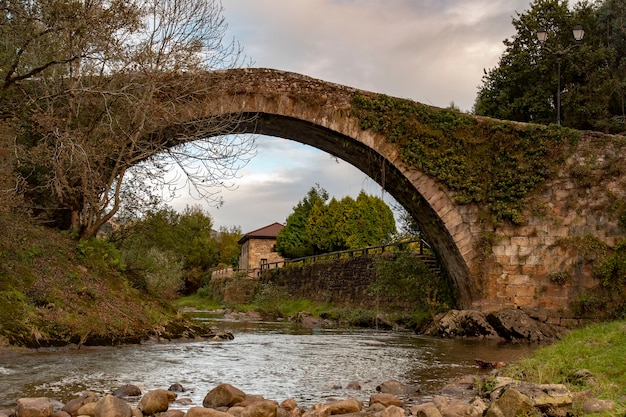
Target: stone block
point(534, 270)
point(519, 240)
point(520, 291)
point(519, 279)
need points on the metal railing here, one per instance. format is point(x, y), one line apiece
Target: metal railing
point(423, 248)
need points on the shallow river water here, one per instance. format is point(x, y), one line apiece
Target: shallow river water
point(276, 360)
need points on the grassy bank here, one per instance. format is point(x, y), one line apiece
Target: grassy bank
point(272, 302)
point(55, 291)
point(588, 359)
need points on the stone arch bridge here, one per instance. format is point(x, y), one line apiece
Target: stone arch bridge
point(540, 263)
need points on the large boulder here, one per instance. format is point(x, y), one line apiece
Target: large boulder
point(156, 401)
point(72, 406)
point(206, 412)
point(224, 395)
point(262, 408)
point(128, 390)
point(385, 399)
point(350, 405)
point(111, 406)
point(395, 387)
point(514, 324)
point(34, 407)
point(462, 323)
point(510, 404)
point(428, 409)
point(393, 411)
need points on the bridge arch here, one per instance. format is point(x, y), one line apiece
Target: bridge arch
point(316, 113)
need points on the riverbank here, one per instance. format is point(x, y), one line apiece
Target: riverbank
point(491, 395)
point(280, 365)
point(55, 291)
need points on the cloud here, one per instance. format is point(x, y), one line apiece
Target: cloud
point(431, 51)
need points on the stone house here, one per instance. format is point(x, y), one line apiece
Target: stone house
point(258, 248)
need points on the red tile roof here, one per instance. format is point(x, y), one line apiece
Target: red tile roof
point(267, 232)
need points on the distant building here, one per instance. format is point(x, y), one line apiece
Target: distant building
point(258, 248)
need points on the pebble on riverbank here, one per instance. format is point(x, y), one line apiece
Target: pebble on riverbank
point(463, 397)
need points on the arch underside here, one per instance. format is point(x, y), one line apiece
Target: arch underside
point(371, 163)
point(387, 175)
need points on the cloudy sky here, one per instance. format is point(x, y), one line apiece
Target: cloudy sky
point(430, 51)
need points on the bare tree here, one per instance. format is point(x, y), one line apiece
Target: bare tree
point(97, 110)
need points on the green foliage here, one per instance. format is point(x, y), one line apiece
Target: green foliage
point(612, 272)
point(481, 161)
point(292, 241)
point(559, 278)
point(162, 272)
point(316, 227)
point(100, 251)
point(405, 275)
point(228, 246)
point(523, 87)
point(166, 245)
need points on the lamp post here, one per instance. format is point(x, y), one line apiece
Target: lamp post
point(542, 36)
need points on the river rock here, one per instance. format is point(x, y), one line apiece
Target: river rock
point(250, 398)
point(87, 409)
point(176, 387)
point(354, 385)
point(172, 413)
point(206, 412)
point(263, 408)
point(510, 404)
point(5, 412)
point(156, 401)
point(34, 407)
point(289, 404)
point(60, 413)
point(515, 324)
point(72, 406)
point(396, 387)
point(350, 405)
point(393, 411)
point(462, 323)
point(428, 409)
point(385, 399)
point(128, 390)
point(111, 406)
point(224, 395)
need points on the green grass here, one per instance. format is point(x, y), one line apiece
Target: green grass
point(599, 348)
point(197, 302)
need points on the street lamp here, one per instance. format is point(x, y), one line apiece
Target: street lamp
point(542, 36)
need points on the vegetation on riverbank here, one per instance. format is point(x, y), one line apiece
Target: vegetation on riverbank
point(587, 359)
point(55, 291)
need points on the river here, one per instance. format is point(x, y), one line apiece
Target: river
point(276, 360)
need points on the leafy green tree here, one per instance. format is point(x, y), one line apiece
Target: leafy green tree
point(292, 241)
point(339, 225)
point(523, 87)
point(228, 246)
point(185, 240)
point(376, 222)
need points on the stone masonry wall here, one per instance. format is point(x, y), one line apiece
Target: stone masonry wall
point(341, 281)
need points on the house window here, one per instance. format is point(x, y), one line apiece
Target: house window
point(264, 263)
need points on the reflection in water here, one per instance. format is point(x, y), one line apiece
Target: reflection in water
point(276, 360)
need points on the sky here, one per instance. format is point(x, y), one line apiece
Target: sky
point(430, 51)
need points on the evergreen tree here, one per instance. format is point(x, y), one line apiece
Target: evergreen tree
point(524, 85)
point(292, 241)
point(316, 227)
